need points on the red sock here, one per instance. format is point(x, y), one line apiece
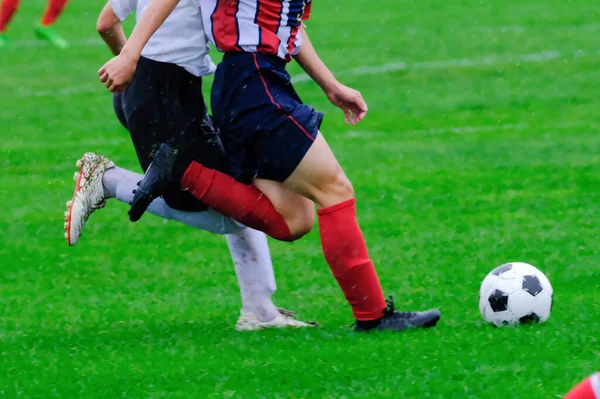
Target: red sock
point(8, 8)
point(242, 202)
point(346, 252)
point(587, 389)
point(53, 10)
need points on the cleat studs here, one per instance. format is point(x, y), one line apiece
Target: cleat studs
point(138, 183)
point(66, 214)
point(66, 235)
point(69, 203)
point(79, 163)
point(66, 225)
point(76, 176)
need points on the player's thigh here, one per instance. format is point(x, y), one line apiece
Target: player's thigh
point(320, 177)
point(298, 211)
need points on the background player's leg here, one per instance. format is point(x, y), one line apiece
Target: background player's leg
point(254, 269)
point(320, 178)
point(98, 179)
point(252, 260)
point(53, 10)
point(119, 183)
point(8, 8)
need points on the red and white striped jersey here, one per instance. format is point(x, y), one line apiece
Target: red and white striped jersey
point(265, 26)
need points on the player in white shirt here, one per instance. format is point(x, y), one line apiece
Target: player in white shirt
point(165, 99)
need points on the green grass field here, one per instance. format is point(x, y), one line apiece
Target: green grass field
point(481, 147)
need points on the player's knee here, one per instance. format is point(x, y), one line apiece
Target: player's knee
point(334, 188)
point(302, 222)
point(343, 186)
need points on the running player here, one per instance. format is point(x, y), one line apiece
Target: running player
point(273, 141)
point(43, 31)
point(166, 92)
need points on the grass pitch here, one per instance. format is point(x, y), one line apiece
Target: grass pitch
point(481, 147)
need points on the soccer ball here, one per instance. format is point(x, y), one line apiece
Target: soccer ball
point(515, 293)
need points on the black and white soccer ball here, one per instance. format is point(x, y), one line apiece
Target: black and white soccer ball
point(515, 293)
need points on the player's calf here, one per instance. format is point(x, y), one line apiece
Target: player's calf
point(298, 211)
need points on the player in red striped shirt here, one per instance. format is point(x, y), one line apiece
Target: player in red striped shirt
point(280, 162)
point(265, 26)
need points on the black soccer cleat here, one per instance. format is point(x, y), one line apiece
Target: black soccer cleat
point(156, 180)
point(400, 321)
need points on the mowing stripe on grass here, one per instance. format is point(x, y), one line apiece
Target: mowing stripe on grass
point(442, 64)
point(83, 42)
point(96, 41)
point(363, 70)
point(94, 143)
point(468, 129)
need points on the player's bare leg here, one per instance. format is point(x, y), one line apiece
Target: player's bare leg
point(320, 178)
point(298, 211)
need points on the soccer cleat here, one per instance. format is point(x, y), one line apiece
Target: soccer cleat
point(400, 321)
point(284, 319)
point(88, 195)
point(155, 182)
point(48, 34)
point(3, 41)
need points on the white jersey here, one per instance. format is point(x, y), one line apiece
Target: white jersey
point(180, 40)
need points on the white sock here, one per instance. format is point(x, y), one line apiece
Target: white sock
point(252, 260)
point(119, 183)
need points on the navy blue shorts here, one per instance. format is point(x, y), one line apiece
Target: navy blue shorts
point(265, 128)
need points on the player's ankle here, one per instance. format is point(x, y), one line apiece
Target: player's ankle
point(180, 166)
point(110, 182)
point(265, 310)
point(368, 324)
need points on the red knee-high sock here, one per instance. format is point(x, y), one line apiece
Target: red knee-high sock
point(242, 202)
point(8, 8)
point(586, 389)
point(346, 252)
point(53, 10)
